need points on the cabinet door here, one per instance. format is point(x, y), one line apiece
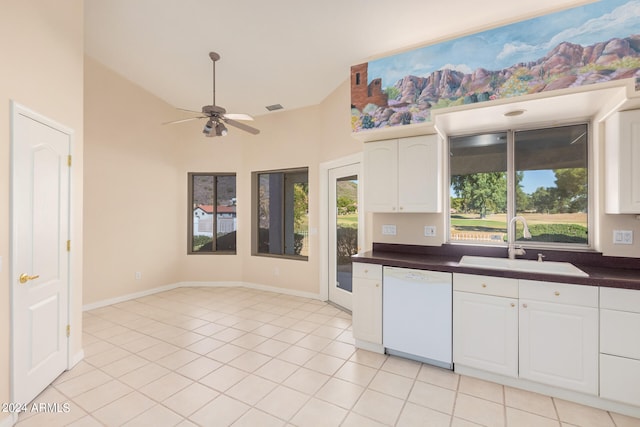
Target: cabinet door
point(559, 345)
point(419, 180)
point(367, 310)
point(619, 379)
point(485, 332)
point(381, 176)
point(622, 157)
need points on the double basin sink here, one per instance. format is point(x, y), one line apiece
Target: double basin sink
point(525, 265)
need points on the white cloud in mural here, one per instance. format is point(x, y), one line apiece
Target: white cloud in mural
point(625, 17)
point(463, 68)
point(624, 20)
point(518, 48)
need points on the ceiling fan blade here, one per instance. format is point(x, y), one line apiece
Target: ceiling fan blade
point(242, 126)
point(237, 116)
point(189, 111)
point(184, 120)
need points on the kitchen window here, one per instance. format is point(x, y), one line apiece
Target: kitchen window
point(212, 213)
point(541, 175)
point(280, 226)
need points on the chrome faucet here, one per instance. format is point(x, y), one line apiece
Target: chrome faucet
point(513, 250)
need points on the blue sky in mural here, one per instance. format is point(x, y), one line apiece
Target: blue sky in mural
point(520, 42)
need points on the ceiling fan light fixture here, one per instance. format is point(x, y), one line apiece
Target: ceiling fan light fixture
point(208, 128)
point(221, 129)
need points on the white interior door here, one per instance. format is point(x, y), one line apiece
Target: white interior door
point(40, 260)
point(345, 231)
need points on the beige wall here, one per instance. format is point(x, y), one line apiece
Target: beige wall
point(136, 187)
point(133, 201)
point(42, 48)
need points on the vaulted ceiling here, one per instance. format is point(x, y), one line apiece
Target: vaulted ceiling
point(288, 52)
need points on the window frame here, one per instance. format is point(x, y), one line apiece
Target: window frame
point(190, 209)
point(255, 227)
point(511, 193)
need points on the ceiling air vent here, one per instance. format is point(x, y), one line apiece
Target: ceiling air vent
point(274, 107)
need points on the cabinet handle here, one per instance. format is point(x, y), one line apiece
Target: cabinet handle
point(377, 285)
point(401, 208)
point(484, 285)
point(556, 293)
point(513, 304)
point(366, 271)
point(524, 305)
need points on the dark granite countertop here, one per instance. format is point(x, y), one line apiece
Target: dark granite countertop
point(615, 272)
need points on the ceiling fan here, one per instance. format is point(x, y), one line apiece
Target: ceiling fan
point(218, 116)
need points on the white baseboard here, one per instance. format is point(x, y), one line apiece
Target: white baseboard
point(369, 346)
point(128, 297)
point(76, 358)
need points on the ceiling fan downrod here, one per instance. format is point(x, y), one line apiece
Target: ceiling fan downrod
point(214, 57)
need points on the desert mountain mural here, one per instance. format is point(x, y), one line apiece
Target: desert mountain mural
point(568, 65)
point(377, 103)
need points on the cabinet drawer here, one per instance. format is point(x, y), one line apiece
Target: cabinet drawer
point(561, 293)
point(620, 333)
point(367, 271)
point(619, 379)
point(620, 299)
point(488, 285)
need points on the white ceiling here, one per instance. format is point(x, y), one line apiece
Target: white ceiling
point(291, 52)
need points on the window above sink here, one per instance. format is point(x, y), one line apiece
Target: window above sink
point(539, 174)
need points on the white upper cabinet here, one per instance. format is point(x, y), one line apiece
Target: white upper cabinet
point(622, 163)
point(381, 176)
point(403, 175)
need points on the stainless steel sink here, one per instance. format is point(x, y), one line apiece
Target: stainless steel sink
point(548, 267)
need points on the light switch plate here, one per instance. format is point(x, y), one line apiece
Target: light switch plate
point(623, 237)
point(429, 231)
point(389, 230)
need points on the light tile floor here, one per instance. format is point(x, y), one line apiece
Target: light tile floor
point(242, 357)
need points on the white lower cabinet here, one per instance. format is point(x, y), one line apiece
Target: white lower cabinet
point(485, 328)
point(540, 331)
point(367, 305)
point(620, 379)
point(485, 323)
point(559, 345)
point(559, 335)
point(620, 345)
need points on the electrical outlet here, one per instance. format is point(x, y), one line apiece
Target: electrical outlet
point(622, 237)
point(389, 230)
point(138, 275)
point(429, 231)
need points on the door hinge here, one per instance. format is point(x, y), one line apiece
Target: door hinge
point(68, 245)
point(69, 160)
point(68, 330)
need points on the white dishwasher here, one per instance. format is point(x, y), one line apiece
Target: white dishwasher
point(417, 315)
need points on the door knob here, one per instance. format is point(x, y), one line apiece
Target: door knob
point(24, 278)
